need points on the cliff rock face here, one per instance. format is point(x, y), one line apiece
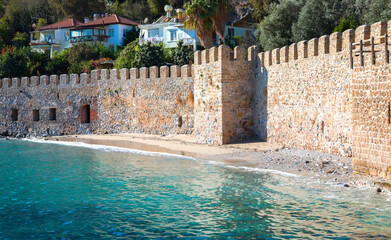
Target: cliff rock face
point(240, 13)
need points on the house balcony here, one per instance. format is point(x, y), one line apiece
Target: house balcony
point(89, 39)
point(44, 43)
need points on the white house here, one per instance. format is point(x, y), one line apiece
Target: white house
point(54, 37)
point(107, 30)
point(169, 30)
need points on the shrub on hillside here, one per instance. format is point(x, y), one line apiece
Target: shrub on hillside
point(22, 62)
point(126, 57)
point(182, 54)
point(149, 55)
point(58, 64)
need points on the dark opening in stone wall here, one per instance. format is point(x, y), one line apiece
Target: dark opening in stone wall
point(52, 114)
point(85, 114)
point(14, 114)
point(35, 115)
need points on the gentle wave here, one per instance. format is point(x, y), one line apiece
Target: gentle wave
point(106, 148)
point(148, 153)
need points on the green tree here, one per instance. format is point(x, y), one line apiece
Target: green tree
point(126, 57)
point(346, 24)
point(276, 29)
point(78, 54)
point(157, 7)
point(149, 55)
point(313, 21)
point(379, 10)
point(182, 54)
point(130, 36)
point(261, 8)
point(58, 64)
point(77, 9)
point(135, 10)
point(21, 40)
point(5, 32)
point(200, 17)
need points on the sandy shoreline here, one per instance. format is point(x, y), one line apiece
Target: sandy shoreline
point(259, 155)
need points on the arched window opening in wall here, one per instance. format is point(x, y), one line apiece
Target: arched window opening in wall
point(14, 114)
point(35, 115)
point(52, 114)
point(85, 114)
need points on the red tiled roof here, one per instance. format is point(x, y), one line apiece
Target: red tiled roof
point(70, 23)
point(112, 19)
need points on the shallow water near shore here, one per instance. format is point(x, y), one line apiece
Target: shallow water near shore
point(52, 191)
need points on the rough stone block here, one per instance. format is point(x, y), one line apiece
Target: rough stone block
point(378, 29)
point(240, 54)
point(154, 72)
point(197, 58)
point(134, 73)
point(7, 82)
point(276, 56)
point(54, 80)
point(335, 42)
point(16, 82)
point(64, 79)
point(95, 75)
point(252, 53)
point(284, 54)
point(213, 54)
point(144, 73)
point(313, 47)
point(363, 32)
point(175, 71)
point(268, 58)
point(293, 52)
point(85, 78)
point(164, 72)
point(186, 71)
point(261, 57)
point(75, 79)
point(125, 74)
point(35, 81)
point(224, 53)
point(104, 74)
point(348, 37)
point(302, 49)
point(25, 82)
point(114, 74)
point(324, 44)
point(205, 56)
point(44, 80)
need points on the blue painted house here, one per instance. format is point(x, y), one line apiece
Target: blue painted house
point(169, 30)
point(104, 29)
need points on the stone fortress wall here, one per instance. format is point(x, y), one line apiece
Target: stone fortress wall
point(146, 100)
point(330, 94)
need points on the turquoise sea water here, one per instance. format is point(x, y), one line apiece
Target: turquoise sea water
point(51, 191)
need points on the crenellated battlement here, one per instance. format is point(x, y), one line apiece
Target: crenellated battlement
point(98, 75)
point(336, 43)
point(224, 54)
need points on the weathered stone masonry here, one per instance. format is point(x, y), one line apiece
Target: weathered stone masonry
point(154, 100)
point(315, 94)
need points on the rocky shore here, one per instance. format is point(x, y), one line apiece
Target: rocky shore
point(316, 166)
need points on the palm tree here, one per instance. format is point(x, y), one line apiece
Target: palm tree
point(207, 17)
point(220, 18)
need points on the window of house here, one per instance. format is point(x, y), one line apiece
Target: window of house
point(231, 33)
point(14, 114)
point(111, 32)
point(85, 114)
point(35, 115)
point(124, 32)
point(52, 114)
point(153, 32)
point(173, 35)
